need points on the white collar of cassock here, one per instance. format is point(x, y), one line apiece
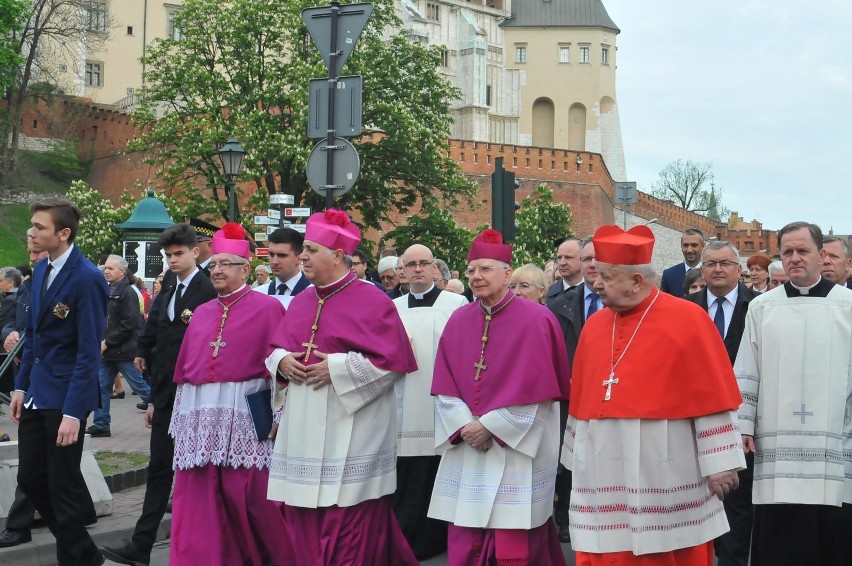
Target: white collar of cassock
point(806, 290)
point(419, 296)
point(234, 292)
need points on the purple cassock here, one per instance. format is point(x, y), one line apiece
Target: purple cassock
point(525, 363)
point(518, 371)
point(360, 528)
point(220, 511)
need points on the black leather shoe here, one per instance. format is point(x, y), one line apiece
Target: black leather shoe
point(14, 538)
point(4, 437)
point(96, 432)
point(142, 406)
point(127, 554)
point(564, 534)
point(119, 395)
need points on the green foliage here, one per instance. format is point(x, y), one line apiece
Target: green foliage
point(540, 221)
point(436, 229)
point(14, 223)
point(241, 68)
point(97, 233)
point(61, 164)
point(13, 14)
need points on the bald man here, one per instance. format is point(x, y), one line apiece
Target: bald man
point(424, 312)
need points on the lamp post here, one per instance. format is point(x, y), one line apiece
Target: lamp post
point(232, 155)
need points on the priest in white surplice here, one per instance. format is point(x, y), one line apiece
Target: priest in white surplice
point(424, 311)
point(793, 368)
point(500, 370)
point(337, 354)
point(652, 436)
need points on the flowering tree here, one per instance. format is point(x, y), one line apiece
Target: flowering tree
point(541, 221)
point(97, 234)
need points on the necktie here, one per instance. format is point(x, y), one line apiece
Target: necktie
point(44, 283)
point(179, 294)
point(719, 319)
point(593, 304)
point(282, 288)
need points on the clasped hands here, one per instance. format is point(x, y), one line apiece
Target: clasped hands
point(315, 374)
point(477, 436)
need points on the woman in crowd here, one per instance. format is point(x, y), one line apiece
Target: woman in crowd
point(529, 282)
point(693, 282)
point(758, 270)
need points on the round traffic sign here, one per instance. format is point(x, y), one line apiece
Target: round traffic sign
point(346, 163)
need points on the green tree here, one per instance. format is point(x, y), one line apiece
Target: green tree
point(541, 221)
point(691, 186)
point(436, 229)
point(12, 17)
point(48, 32)
point(241, 68)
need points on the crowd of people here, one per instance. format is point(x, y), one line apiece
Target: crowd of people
point(331, 413)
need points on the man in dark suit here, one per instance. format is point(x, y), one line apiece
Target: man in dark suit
point(571, 310)
point(836, 264)
point(285, 246)
point(204, 232)
point(568, 267)
point(57, 384)
point(691, 244)
point(726, 300)
point(158, 349)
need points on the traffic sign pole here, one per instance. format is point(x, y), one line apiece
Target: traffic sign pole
point(332, 88)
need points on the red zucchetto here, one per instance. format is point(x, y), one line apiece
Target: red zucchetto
point(614, 245)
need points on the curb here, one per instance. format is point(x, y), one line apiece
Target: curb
point(127, 479)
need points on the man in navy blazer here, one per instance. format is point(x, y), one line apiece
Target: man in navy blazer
point(285, 246)
point(691, 245)
point(57, 384)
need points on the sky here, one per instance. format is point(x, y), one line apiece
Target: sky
point(761, 89)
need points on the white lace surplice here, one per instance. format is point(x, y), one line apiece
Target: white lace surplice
point(211, 424)
point(639, 485)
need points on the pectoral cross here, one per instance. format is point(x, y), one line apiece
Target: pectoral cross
point(480, 366)
point(217, 344)
point(310, 346)
point(608, 383)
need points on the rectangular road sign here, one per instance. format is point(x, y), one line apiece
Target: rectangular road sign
point(260, 236)
point(297, 212)
point(280, 198)
point(298, 227)
point(625, 192)
point(265, 220)
point(272, 213)
point(347, 107)
point(271, 229)
point(261, 252)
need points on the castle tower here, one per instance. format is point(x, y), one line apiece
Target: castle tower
point(566, 53)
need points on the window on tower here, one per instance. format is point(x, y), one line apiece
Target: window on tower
point(564, 53)
point(584, 54)
point(605, 55)
point(521, 54)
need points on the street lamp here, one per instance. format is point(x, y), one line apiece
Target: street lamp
point(232, 155)
point(651, 221)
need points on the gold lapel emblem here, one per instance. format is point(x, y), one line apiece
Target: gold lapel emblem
point(61, 311)
point(186, 316)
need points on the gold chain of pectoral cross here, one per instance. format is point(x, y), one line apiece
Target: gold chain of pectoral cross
point(310, 346)
point(218, 343)
point(608, 383)
point(480, 365)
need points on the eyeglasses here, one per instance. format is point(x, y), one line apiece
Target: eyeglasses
point(387, 277)
point(727, 264)
point(484, 270)
point(225, 264)
point(523, 286)
point(422, 264)
point(357, 263)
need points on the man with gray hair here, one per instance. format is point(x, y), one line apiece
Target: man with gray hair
point(388, 274)
point(656, 432)
point(10, 280)
point(118, 347)
point(442, 274)
point(777, 277)
point(837, 263)
point(726, 301)
point(793, 370)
